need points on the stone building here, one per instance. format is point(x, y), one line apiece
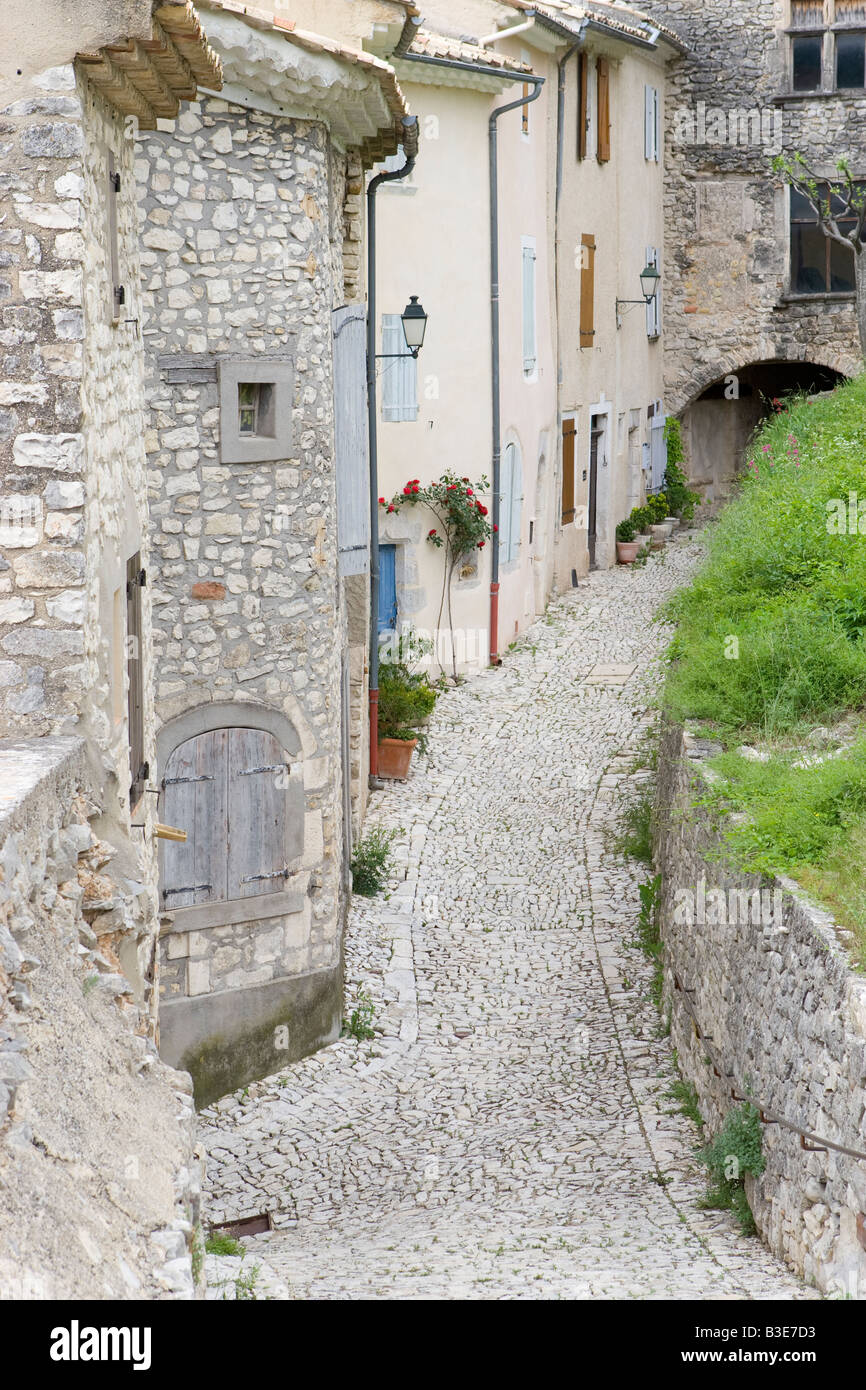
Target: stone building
point(758, 302)
point(78, 923)
point(250, 247)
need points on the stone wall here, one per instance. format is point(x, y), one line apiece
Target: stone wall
point(786, 1015)
point(101, 1183)
point(243, 239)
point(726, 301)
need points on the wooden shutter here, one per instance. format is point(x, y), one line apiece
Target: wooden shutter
point(195, 800)
point(569, 432)
point(582, 103)
point(602, 70)
point(257, 779)
point(230, 789)
point(528, 275)
point(649, 122)
point(516, 509)
point(587, 291)
point(350, 438)
point(399, 373)
point(653, 309)
point(506, 494)
point(138, 768)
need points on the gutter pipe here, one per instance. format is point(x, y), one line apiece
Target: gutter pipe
point(410, 150)
point(538, 82)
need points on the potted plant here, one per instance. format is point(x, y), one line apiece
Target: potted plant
point(405, 701)
point(626, 545)
point(641, 517)
point(659, 530)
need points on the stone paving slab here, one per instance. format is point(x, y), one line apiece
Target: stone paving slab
point(508, 1133)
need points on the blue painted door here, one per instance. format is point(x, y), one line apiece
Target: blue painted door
point(387, 588)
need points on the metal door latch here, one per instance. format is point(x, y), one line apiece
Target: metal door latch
point(269, 767)
point(173, 781)
point(278, 873)
point(191, 888)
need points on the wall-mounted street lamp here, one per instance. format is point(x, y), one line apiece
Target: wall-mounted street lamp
point(414, 321)
point(649, 284)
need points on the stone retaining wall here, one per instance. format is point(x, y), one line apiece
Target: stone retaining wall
point(97, 1162)
point(786, 1015)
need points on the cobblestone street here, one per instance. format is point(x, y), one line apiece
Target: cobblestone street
point(509, 1132)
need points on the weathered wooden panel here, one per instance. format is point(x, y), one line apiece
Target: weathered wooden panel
point(350, 434)
point(194, 800)
point(257, 779)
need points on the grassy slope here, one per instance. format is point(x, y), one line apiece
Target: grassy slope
point(771, 642)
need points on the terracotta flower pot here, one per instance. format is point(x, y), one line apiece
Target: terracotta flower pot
point(626, 552)
point(395, 755)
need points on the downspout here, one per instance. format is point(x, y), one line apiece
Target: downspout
point(538, 82)
point(410, 150)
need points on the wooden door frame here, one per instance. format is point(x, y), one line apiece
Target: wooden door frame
point(566, 416)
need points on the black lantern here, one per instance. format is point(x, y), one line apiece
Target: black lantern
point(414, 325)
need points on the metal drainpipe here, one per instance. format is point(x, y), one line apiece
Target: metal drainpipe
point(494, 346)
point(410, 150)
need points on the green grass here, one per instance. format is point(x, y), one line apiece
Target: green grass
point(771, 641)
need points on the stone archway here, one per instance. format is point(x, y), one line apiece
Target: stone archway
point(720, 416)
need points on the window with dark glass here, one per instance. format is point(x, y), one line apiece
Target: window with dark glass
point(850, 64)
point(806, 55)
point(820, 265)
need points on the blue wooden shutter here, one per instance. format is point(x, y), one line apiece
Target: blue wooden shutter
point(654, 308)
point(399, 374)
point(350, 438)
point(530, 351)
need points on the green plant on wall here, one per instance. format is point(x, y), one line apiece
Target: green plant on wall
point(737, 1150)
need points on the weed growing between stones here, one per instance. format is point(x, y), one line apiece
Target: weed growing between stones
point(736, 1150)
point(218, 1243)
point(197, 1249)
point(360, 1024)
point(371, 861)
point(635, 839)
point(649, 934)
point(687, 1097)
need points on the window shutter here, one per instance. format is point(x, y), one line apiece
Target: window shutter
point(138, 769)
point(350, 438)
point(653, 309)
point(257, 776)
point(569, 432)
point(506, 493)
point(529, 344)
point(195, 800)
point(649, 122)
point(602, 68)
point(587, 291)
point(399, 373)
point(582, 103)
point(657, 125)
point(516, 510)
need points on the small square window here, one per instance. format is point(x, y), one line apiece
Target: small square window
point(256, 409)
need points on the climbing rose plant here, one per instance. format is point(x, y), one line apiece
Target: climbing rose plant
point(462, 525)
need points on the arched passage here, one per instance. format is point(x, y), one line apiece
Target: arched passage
point(720, 420)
